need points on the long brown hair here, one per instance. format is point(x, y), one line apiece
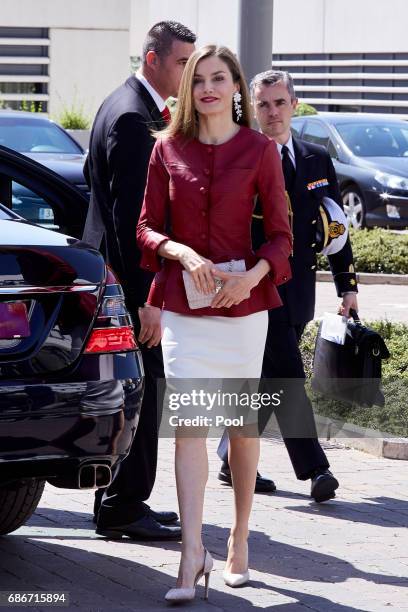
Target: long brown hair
point(185, 119)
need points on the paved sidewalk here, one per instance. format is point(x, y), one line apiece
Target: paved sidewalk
point(348, 554)
point(375, 301)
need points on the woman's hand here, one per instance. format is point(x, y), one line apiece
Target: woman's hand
point(199, 268)
point(236, 288)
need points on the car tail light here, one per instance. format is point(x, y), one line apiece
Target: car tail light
point(113, 330)
point(111, 339)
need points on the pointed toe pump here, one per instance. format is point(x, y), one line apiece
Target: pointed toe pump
point(235, 580)
point(183, 594)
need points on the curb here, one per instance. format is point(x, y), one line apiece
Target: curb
point(370, 441)
point(388, 448)
point(367, 278)
point(348, 435)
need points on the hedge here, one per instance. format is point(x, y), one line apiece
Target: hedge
point(393, 417)
point(304, 109)
point(376, 250)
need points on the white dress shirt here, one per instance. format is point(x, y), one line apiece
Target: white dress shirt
point(289, 144)
point(158, 100)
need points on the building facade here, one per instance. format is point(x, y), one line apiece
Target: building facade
point(56, 54)
point(344, 54)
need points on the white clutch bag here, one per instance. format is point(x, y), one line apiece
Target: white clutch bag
point(195, 298)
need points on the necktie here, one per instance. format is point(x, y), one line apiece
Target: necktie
point(166, 114)
point(288, 168)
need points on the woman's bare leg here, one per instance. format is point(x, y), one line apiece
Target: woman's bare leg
point(243, 460)
point(191, 477)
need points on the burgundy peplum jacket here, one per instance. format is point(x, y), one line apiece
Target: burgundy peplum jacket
point(203, 196)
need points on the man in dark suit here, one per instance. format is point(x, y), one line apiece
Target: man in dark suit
point(309, 176)
point(116, 170)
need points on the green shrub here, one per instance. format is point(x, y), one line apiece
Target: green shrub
point(74, 118)
point(304, 109)
point(31, 106)
point(376, 250)
point(393, 417)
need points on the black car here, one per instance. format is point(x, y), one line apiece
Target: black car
point(370, 155)
point(43, 140)
point(71, 376)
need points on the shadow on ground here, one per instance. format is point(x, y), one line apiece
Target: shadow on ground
point(96, 581)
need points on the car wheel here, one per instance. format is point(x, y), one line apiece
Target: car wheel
point(354, 208)
point(18, 500)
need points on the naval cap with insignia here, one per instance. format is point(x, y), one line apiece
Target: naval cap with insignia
point(331, 228)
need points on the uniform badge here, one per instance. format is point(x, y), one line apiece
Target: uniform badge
point(336, 229)
point(316, 184)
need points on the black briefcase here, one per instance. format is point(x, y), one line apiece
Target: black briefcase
point(350, 372)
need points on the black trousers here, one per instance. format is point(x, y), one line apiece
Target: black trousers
point(123, 501)
point(283, 360)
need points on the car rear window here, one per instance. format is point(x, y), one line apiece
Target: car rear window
point(6, 213)
point(296, 126)
point(375, 139)
point(27, 135)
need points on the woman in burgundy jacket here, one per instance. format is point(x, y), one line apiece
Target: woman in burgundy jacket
point(205, 171)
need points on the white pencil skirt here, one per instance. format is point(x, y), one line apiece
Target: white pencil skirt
point(213, 347)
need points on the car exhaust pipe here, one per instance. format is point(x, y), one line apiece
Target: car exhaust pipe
point(103, 476)
point(94, 475)
point(88, 476)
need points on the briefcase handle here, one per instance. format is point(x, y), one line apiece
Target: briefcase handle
point(354, 316)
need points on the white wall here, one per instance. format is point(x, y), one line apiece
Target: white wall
point(300, 26)
point(88, 14)
point(214, 21)
point(366, 26)
point(86, 65)
point(340, 26)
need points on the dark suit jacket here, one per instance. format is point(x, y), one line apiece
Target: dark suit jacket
point(116, 171)
point(313, 163)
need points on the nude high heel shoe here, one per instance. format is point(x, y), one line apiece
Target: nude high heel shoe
point(180, 595)
point(235, 580)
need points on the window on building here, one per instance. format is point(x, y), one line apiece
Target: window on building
point(24, 62)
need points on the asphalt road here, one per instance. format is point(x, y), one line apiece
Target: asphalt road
point(375, 301)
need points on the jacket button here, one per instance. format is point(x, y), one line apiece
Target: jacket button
point(314, 221)
point(204, 213)
point(312, 267)
point(209, 149)
point(203, 190)
point(285, 278)
point(203, 236)
point(206, 171)
point(313, 245)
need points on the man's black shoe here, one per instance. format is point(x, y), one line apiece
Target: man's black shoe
point(262, 485)
point(324, 485)
point(165, 517)
point(146, 528)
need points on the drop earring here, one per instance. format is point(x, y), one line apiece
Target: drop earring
point(237, 104)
